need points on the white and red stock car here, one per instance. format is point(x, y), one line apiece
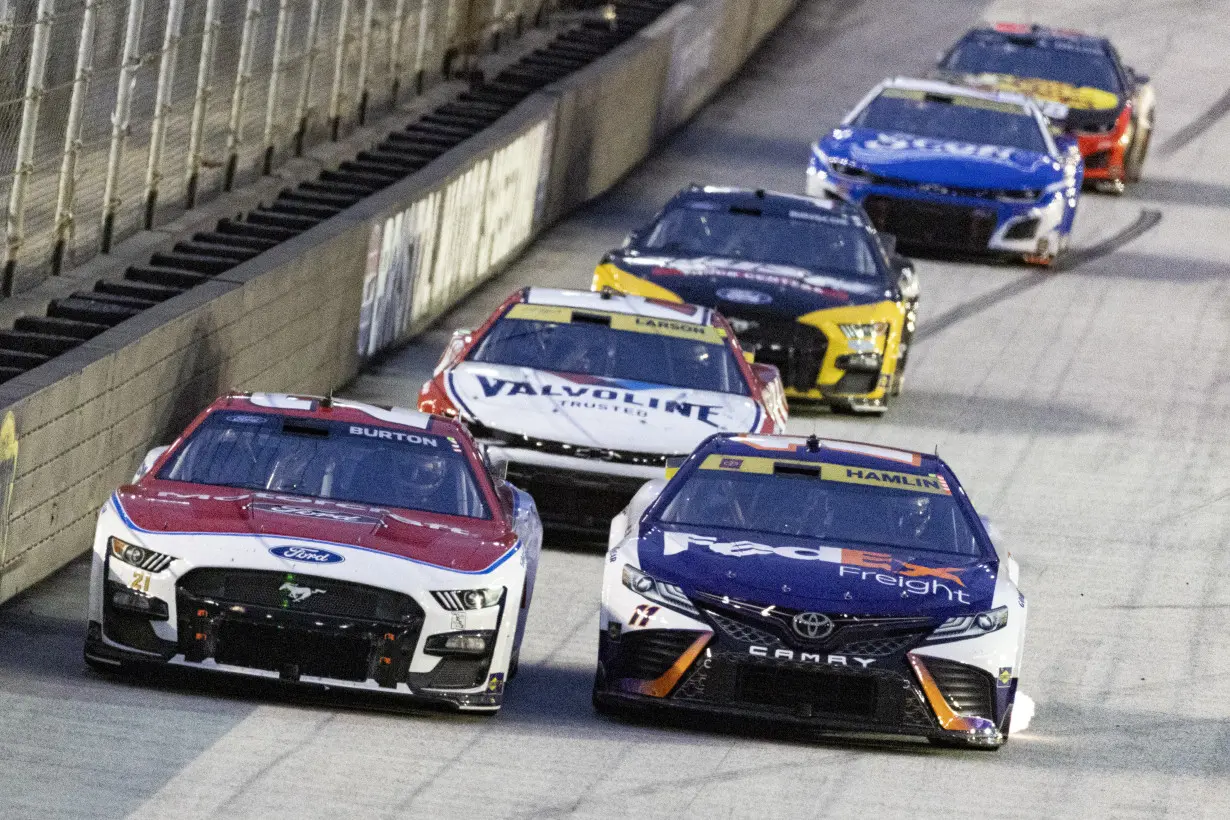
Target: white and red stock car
point(320, 542)
point(587, 394)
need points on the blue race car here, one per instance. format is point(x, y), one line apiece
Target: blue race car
point(955, 169)
point(828, 584)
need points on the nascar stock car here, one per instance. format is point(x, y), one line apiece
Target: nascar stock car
point(1082, 83)
point(955, 169)
point(828, 584)
point(587, 394)
point(319, 542)
point(807, 283)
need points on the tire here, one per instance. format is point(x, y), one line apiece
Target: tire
point(907, 339)
point(1134, 163)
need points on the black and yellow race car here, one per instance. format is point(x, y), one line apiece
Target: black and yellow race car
point(807, 284)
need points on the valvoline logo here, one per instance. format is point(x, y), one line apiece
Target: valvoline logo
point(308, 555)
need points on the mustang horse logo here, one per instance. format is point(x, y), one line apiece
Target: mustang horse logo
point(296, 594)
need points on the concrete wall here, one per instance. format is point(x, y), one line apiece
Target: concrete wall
point(289, 319)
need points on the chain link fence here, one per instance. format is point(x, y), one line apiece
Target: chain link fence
point(116, 115)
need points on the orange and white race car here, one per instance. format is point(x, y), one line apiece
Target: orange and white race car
point(1083, 84)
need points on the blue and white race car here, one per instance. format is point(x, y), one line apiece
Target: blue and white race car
point(955, 169)
point(829, 584)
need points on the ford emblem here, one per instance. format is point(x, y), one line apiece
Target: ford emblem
point(307, 555)
point(744, 296)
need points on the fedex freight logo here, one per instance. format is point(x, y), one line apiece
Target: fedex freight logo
point(872, 567)
point(307, 555)
point(600, 398)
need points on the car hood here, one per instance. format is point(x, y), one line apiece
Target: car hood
point(941, 162)
point(157, 507)
point(733, 285)
point(591, 411)
point(799, 573)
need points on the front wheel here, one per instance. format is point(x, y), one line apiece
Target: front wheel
point(1134, 163)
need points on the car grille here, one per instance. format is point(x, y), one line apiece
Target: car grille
point(795, 349)
point(275, 648)
point(647, 654)
point(968, 690)
point(281, 590)
point(1097, 161)
point(743, 622)
point(922, 222)
point(575, 500)
point(813, 691)
point(558, 448)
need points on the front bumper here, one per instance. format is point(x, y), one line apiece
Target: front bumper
point(816, 361)
point(297, 627)
point(1105, 155)
point(881, 682)
point(957, 223)
point(575, 494)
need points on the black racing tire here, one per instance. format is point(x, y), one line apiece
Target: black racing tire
point(907, 339)
point(1134, 162)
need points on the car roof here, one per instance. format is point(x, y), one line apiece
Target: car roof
point(614, 302)
point(818, 450)
point(772, 202)
point(956, 90)
point(330, 409)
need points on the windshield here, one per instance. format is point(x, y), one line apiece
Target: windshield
point(953, 117)
point(381, 467)
point(1075, 66)
point(808, 240)
point(636, 348)
point(832, 507)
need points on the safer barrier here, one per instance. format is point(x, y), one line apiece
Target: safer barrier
point(303, 315)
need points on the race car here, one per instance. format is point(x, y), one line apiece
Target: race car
point(807, 284)
point(955, 169)
point(1082, 83)
point(586, 395)
point(323, 542)
point(832, 585)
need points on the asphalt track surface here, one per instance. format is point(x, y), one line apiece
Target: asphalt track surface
point(1086, 411)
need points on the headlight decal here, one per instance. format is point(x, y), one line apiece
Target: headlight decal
point(138, 556)
point(661, 592)
point(458, 600)
point(971, 626)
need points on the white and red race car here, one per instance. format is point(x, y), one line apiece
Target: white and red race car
point(319, 542)
point(587, 394)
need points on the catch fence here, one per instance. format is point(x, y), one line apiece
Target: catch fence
point(116, 115)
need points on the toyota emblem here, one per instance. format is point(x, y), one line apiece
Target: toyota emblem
point(812, 625)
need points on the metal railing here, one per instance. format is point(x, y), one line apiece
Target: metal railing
point(116, 115)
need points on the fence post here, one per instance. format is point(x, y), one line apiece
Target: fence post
point(243, 76)
point(25, 141)
point(420, 48)
point(339, 69)
point(162, 107)
point(209, 36)
point(365, 53)
point(67, 191)
point(305, 87)
point(275, 83)
point(119, 118)
point(395, 63)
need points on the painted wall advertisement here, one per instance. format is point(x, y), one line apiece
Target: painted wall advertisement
point(421, 260)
